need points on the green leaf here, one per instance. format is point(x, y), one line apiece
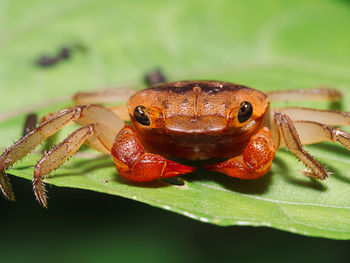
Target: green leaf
point(266, 45)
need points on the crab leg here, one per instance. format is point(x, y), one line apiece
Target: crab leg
point(329, 117)
point(290, 138)
point(305, 94)
point(83, 115)
point(5, 186)
point(254, 162)
point(27, 143)
point(313, 132)
point(135, 164)
point(103, 96)
point(121, 111)
point(58, 155)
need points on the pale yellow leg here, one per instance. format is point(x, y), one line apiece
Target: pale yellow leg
point(83, 115)
point(121, 111)
point(104, 96)
point(329, 117)
point(289, 137)
point(108, 96)
point(27, 143)
point(305, 94)
point(101, 115)
point(60, 153)
point(313, 132)
point(314, 125)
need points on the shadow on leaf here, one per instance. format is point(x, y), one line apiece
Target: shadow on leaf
point(337, 150)
point(104, 161)
point(286, 174)
point(257, 186)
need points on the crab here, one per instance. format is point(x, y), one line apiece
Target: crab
point(194, 120)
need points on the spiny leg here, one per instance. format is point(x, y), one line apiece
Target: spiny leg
point(58, 155)
point(5, 186)
point(135, 164)
point(328, 94)
point(102, 133)
point(29, 125)
point(97, 113)
point(290, 138)
point(255, 161)
point(329, 117)
point(83, 115)
point(27, 143)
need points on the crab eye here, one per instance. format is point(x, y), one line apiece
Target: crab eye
point(245, 111)
point(141, 116)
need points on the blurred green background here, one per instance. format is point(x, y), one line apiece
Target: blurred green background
point(265, 44)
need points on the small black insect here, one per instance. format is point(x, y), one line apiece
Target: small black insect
point(47, 61)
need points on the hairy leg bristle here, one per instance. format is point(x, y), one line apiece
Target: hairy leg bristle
point(40, 191)
point(5, 186)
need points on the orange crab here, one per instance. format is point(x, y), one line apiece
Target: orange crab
point(195, 120)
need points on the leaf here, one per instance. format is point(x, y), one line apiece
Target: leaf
point(279, 45)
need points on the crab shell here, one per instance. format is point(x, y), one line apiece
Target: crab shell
point(197, 120)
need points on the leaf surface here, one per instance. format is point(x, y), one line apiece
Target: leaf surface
point(268, 46)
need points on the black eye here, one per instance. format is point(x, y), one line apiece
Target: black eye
point(141, 116)
point(245, 111)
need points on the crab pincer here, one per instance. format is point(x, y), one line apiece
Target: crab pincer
point(254, 162)
point(135, 164)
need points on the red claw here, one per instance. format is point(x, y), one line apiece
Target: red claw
point(254, 162)
point(149, 167)
point(173, 169)
point(133, 163)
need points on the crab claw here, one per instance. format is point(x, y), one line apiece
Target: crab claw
point(149, 167)
point(173, 169)
point(135, 164)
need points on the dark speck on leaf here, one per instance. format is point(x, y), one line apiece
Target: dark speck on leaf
point(154, 77)
point(47, 61)
point(65, 53)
